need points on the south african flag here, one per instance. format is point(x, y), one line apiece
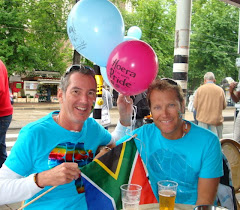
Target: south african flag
point(103, 177)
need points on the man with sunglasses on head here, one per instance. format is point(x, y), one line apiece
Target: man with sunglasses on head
point(176, 149)
point(50, 151)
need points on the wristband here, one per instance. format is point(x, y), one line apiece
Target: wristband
point(35, 180)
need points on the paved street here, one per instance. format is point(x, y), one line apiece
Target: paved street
point(26, 113)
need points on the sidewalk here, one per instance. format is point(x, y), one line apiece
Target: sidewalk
point(228, 113)
point(40, 105)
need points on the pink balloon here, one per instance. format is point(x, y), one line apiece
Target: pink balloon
point(131, 67)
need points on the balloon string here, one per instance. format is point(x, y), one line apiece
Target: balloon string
point(128, 101)
point(140, 150)
point(129, 131)
point(142, 145)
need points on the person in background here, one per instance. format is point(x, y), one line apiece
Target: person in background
point(176, 149)
point(234, 90)
point(115, 97)
point(49, 93)
point(6, 111)
point(142, 108)
point(191, 107)
point(209, 102)
point(107, 105)
point(50, 151)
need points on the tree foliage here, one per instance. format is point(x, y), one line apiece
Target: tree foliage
point(33, 35)
point(14, 51)
point(214, 41)
point(156, 19)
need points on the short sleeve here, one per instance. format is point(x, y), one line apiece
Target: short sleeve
point(21, 157)
point(212, 160)
point(96, 135)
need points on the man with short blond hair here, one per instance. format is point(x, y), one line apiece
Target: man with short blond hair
point(176, 149)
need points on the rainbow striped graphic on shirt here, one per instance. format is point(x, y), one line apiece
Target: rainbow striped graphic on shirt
point(70, 152)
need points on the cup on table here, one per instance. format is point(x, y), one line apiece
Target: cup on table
point(130, 196)
point(209, 207)
point(167, 191)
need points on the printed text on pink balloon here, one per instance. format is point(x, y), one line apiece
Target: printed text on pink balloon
point(117, 71)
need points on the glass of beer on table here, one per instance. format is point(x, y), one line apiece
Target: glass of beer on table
point(167, 191)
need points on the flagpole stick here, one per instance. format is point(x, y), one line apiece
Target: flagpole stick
point(37, 197)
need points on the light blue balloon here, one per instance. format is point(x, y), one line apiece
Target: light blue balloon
point(134, 31)
point(95, 28)
point(103, 71)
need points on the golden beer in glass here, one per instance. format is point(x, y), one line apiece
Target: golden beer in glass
point(167, 191)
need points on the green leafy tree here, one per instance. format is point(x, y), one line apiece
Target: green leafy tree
point(34, 35)
point(213, 41)
point(156, 19)
point(213, 44)
point(14, 51)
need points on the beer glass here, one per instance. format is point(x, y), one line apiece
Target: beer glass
point(130, 196)
point(167, 191)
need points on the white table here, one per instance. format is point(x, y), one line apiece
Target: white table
point(155, 206)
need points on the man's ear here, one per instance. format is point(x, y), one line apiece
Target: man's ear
point(60, 95)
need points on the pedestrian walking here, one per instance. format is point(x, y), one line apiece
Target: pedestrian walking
point(209, 103)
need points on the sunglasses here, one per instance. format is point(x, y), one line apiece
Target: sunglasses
point(79, 68)
point(170, 81)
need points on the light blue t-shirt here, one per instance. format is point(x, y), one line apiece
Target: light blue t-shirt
point(197, 154)
point(44, 144)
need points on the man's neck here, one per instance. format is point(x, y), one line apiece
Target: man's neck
point(68, 125)
point(209, 81)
